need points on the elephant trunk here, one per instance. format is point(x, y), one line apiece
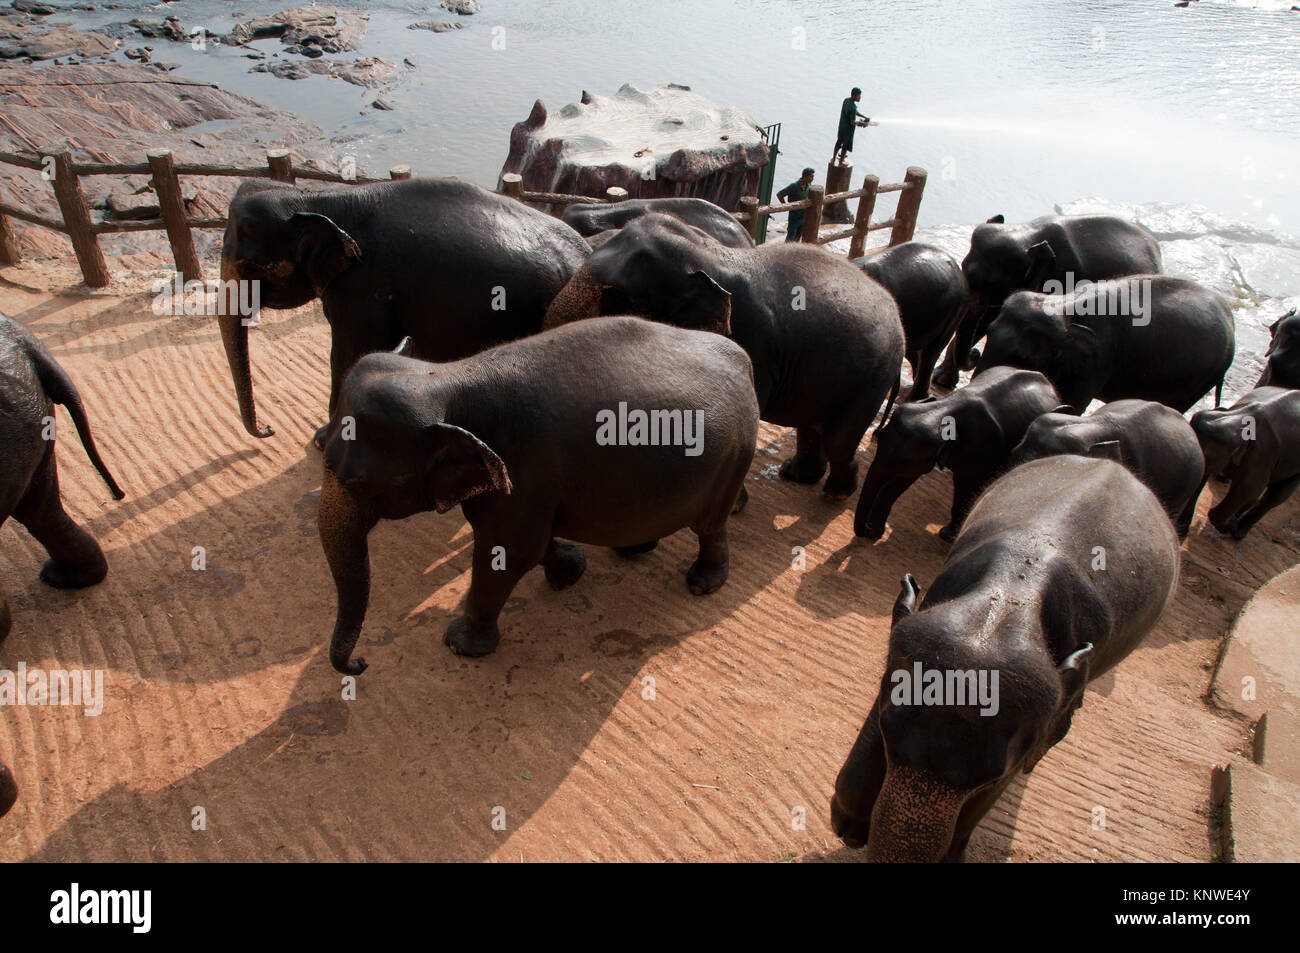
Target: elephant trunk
point(344, 524)
point(580, 298)
point(879, 494)
point(914, 818)
point(234, 335)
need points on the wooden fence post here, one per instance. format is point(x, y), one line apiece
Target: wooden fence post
point(615, 193)
point(909, 204)
point(512, 183)
point(76, 218)
point(399, 172)
point(280, 162)
point(866, 206)
point(812, 223)
point(10, 253)
point(172, 206)
point(750, 204)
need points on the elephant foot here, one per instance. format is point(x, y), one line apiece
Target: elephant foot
point(741, 500)
point(62, 576)
point(564, 565)
point(869, 531)
point(464, 639)
point(704, 579)
point(803, 469)
point(637, 550)
point(840, 487)
point(318, 438)
point(945, 377)
point(948, 533)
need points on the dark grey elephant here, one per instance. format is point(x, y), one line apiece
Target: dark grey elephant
point(928, 285)
point(536, 448)
point(1255, 444)
point(453, 266)
point(31, 383)
point(825, 341)
point(598, 221)
point(1154, 441)
point(1282, 362)
point(970, 432)
point(1062, 249)
point(8, 790)
point(1152, 337)
point(1062, 568)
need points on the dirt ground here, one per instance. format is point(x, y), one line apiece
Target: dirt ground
point(622, 719)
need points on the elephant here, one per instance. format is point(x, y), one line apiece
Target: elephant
point(983, 679)
point(8, 789)
point(1255, 444)
point(826, 342)
point(31, 383)
point(1061, 249)
point(930, 290)
point(1282, 362)
point(1152, 440)
point(534, 449)
point(1152, 337)
point(453, 266)
point(971, 432)
point(599, 221)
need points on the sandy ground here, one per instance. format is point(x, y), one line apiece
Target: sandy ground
point(220, 695)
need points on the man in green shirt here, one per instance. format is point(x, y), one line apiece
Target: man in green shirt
point(850, 118)
point(796, 192)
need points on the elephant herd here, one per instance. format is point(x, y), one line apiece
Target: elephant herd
point(600, 379)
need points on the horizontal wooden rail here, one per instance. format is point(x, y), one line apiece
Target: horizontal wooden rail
point(33, 218)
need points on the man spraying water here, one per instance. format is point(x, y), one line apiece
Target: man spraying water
point(850, 119)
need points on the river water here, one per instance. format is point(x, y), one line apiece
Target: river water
point(1186, 118)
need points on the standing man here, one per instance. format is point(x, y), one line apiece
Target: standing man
point(796, 192)
point(850, 117)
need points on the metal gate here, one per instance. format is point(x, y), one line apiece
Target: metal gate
point(767, 176)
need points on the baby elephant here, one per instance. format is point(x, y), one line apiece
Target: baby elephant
point(31, 383)
point(1154, 441)
point(971, 432)
point(535, 446)
point(1062, 568)
point(1255, 444)
point(932, 298)
point(1282, 363)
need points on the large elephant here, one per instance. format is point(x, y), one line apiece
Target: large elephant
point(451, 265)
point(8, 790)
point(1255, 444)
point(598, 221)
point(970, 432)
point(983, 680)
point(825, 341)
point(1282, 362)
point(535, 448)
point(1154, 441)
point(31, 383)
point(1062, 249)
point(1152, 337)
point(928, 285)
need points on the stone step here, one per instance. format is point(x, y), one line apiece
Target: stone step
point(1260, 815)
point(1277, 745)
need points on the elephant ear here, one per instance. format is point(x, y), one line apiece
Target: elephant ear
point(905, 604)
point(1074, 355)
point(702, 305)
point(1107, 450)
point(1042, 265)
point(321, 249)
point(1065, 409)
point(979, 429)
point(998, 219)
point(1073, 672)
point(461, 467)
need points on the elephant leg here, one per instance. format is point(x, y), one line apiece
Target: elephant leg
point(1184, 522)
point(564, 563)
point(475, 633)
point(923, 370)
point(1243, 493)
point(76, 561)
point(965, 490)
point(1276, 494)
point(709, 571)
point(741, 499)
point(347, 346)
point(946, 375)
point(808, 463)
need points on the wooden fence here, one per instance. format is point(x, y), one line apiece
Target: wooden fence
point(65, 177)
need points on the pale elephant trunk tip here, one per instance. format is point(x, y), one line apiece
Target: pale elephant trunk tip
point(580, 298)
point(914, 818)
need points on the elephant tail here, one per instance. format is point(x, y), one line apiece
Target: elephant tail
point(59, 388)
point(889, 402)
point(1218, 394)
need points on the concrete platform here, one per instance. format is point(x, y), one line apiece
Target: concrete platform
point(1259, 670)
point(1261, 815)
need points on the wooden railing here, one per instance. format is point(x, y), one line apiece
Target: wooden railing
point(65, 177)
point(903, 224)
